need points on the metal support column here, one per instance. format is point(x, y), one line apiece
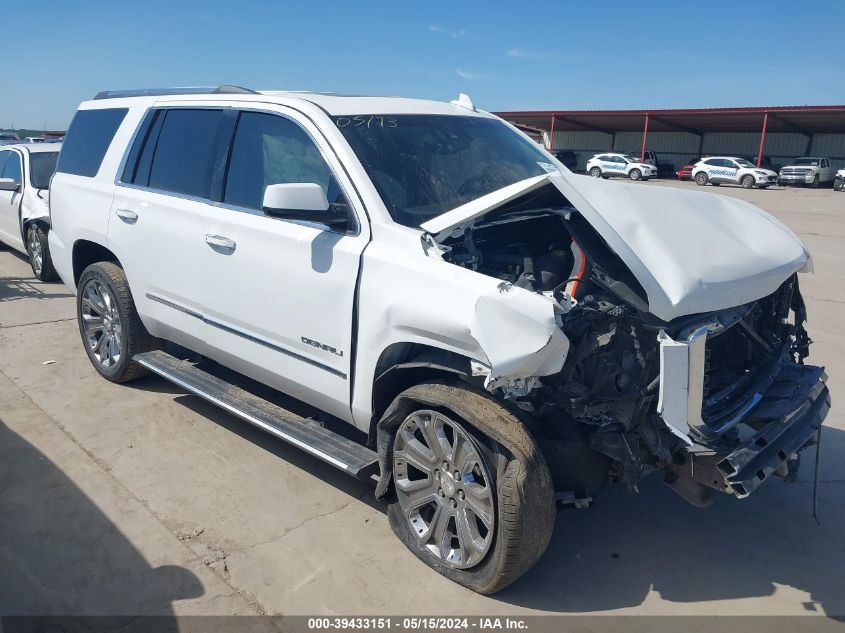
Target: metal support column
point(645, 138)
point(762, 137)
point(552, 135)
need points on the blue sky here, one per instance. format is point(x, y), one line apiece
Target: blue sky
point(513, 55)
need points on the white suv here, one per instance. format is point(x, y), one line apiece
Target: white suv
point(619, 165)
point(488, 333)
point(25, 172)
point(730, 169)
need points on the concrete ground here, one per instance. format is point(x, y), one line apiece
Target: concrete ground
point(139, 499)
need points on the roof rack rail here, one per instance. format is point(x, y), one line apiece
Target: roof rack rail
point(190, 90)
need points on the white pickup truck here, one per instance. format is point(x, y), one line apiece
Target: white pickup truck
point(456, 312)
point(807, 170)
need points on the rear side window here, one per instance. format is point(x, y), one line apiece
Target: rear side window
point(183, 159)
point(89, 136)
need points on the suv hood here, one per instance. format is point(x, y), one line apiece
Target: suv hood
point(692, 252)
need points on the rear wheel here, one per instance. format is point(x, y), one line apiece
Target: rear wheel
point(635, 174)
point(473, 498)
point(111, 329)
point(747, 181)
point(38, 250)
point(701, 178)
point(595, 172)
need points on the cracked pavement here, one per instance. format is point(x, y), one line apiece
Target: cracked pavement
point(140, 499)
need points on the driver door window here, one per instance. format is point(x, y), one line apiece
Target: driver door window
point(270, 149)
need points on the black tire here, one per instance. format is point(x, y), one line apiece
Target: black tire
point(37, 236)
point(135, 338)
point(595, 172)
point(635, 174)
point(748, 181)
point(816, 181)
point(837, 184)
point(701, 178)
point(523, 490)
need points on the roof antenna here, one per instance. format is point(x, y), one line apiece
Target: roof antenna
point(463, 101)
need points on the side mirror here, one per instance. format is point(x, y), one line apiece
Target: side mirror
point(304, 201)
point(8, 184)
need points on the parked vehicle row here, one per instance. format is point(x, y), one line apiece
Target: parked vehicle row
point(25, 172)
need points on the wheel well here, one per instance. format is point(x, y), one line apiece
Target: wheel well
point(86, 253)
point(42, 222)
point(403, 365)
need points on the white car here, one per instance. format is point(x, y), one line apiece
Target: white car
point(732, 170)
point(504, 335)
point(25, 172)
point(807, 170)
point(619, 165)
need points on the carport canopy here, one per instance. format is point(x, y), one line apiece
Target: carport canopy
point(806, 120)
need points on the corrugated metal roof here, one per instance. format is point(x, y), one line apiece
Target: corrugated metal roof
point(805, 120)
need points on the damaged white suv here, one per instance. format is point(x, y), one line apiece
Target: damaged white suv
point(453, 311)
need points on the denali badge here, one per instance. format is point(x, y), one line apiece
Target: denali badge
point(325, 348)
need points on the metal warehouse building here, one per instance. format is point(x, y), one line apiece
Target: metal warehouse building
point(769, 135)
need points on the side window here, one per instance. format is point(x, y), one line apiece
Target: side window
point(13, 168)
point(602, 157)
point(140, 159)
point(183, 160)
point(710, 162)
point(270, 149)
point(89, 136)
point(4, 156)
point(825, 163)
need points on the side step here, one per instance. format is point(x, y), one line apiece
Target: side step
point(310, 436)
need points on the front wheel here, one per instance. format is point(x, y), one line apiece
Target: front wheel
point(635, 174)
point(472, 498)
point(748, 182)
point(816, 181)
point(38, 249)
point(111, 329)
point(837, 184)
point(595, 172)
point(701, 178)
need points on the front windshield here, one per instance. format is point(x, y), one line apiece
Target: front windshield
point(424, 165)
point(811, 162)
point(744, 163)
point(41, 168)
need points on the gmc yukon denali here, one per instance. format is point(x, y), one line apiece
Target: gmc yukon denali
point(416, 293)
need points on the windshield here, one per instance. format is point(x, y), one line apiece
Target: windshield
point(424, 165)
point(812, 162)
point(744, 163)
point(41, 167)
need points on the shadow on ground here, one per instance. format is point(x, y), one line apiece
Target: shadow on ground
point(612, 555)
point(61, 555)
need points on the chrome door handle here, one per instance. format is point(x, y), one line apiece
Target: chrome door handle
point(220, 243)
point(127, 216)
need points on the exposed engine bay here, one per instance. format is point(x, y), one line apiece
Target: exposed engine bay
point(598, 418)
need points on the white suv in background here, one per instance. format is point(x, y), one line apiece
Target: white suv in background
point(25, 172)
point(619, 165)
point(807, 170)
point(489, 333)
point(730, 169)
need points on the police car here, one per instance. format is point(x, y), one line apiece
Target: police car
point(733, 170)
point(607, 165)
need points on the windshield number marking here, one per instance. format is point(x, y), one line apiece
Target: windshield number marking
point(368, 121)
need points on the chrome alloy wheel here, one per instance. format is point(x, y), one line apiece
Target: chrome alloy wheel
point(33, 243)
point(101, 323)
point(443, 488)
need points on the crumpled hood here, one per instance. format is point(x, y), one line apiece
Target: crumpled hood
point(691, 251)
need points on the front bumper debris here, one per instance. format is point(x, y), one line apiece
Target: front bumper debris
point(784, 419)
